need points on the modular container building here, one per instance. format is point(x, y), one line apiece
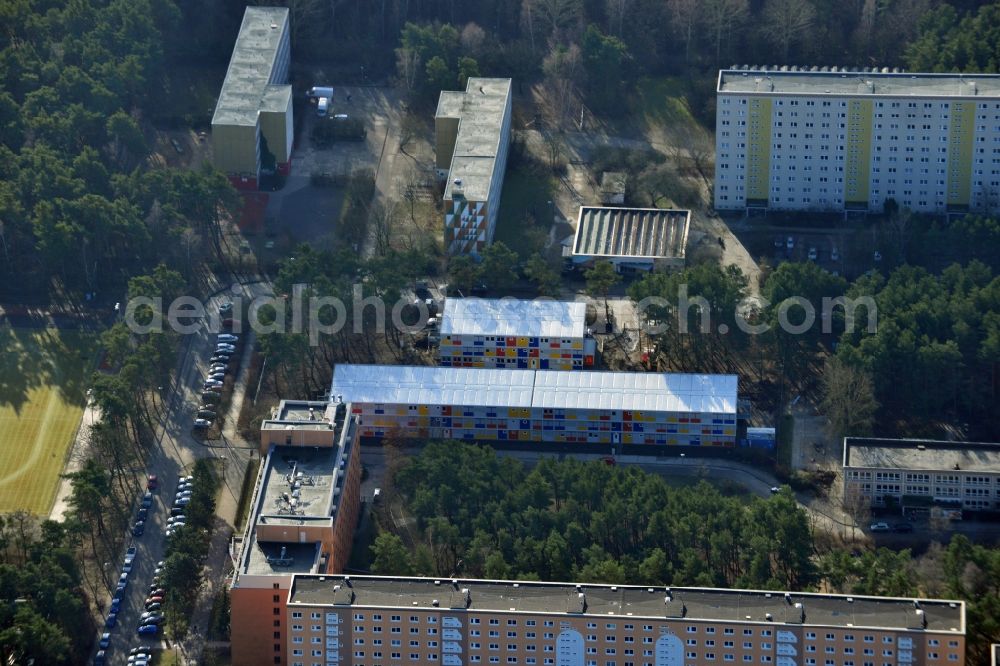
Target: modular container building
point(482, 404)
point(511, 333)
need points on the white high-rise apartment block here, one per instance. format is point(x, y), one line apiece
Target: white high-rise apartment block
point(850, 141)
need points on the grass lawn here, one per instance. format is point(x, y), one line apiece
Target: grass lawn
point(664, 100)
point(43, 373)
point(525, 197)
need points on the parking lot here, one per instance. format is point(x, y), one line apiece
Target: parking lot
point(309, 213)
point(846, 251)
point(180, 443)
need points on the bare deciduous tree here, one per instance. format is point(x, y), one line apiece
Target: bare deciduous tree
point(472, 39)
point(408, 66)
point(685, 15)
point(563, 68)
point(848, 399)
point(721, 17)
point(617, 9)
point(787, 22)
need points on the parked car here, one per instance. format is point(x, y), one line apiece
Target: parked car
point(218, 367)
point(790, 243)
point(131, 553)
point(813, 253)
point(834, 254)
point(202, 423)
point(123, 580)
point(149, 614)
point(152, 482)
point(154, 599)
point(212, 384)
point(779, 242)
point(147, 499)
point(119, 594)
point(111, 620)
point(139, 528)
point(142, 513)
point(99, 658)
point(225, 347)
point(225, 307)
point(105, 640)
point(206, 414)
point(182, 501)
point(154, 606)
point(217, 376)
point(177, 511)
point(775, 490)
point(153, 619)
point(878, 256)
point(227, 337)
point(220, 358)
point(211, 396)
point(116, 605)
point(903, 527)
point(148, 629)
point(156, 591)
point(879, 527)
point(182, 494)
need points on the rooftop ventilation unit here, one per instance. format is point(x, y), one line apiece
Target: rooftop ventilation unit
point(282, 560)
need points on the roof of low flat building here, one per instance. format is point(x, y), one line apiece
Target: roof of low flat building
point(272, 558)
point(687, 604)
point(501, 387)
point(858, 83)
point(605, 231)
point(512, 317)
point(247, 89)
point(921, 454)
point(480, 110)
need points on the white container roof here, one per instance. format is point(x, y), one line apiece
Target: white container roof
point(513, 317)
point(636, 391)
point(387, 384)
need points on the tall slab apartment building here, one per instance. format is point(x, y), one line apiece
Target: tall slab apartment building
point(851, 140)
point(255, 104)
point(472, 138)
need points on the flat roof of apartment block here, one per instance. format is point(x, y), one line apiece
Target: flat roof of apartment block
point(246, 89)
point(480, 110)
point(857, 83)
point(624, 601)
point(513, 317)
point(650, 391)
point(921, 454)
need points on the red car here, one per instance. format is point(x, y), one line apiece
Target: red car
point(152, 482)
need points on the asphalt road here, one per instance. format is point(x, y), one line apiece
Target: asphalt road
point(176, 451)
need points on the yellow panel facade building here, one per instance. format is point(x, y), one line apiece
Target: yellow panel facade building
point(836, 140)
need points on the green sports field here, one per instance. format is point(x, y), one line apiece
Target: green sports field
point(43, 377)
